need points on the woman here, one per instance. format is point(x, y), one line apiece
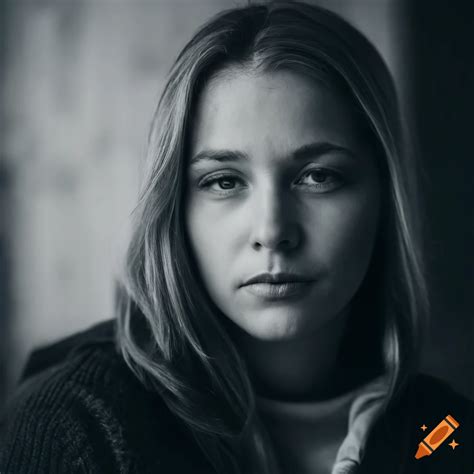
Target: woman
point(271, 315)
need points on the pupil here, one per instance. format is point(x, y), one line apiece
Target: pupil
point(318, 176)
point(226, 183)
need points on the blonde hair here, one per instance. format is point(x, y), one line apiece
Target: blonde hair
point(168, 328)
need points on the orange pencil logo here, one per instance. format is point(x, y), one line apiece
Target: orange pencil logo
point(436, 437)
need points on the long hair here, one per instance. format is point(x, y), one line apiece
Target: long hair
point(169, 331)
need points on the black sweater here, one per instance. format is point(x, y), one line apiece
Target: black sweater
point(79, 409)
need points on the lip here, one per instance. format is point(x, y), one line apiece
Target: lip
point(277, 285)
point(278, 290)
point(281, 277)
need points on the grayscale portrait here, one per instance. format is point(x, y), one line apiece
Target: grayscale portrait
point(236, 237)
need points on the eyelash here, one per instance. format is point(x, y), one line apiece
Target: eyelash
point(209, 181)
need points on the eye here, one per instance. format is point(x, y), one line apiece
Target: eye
point(222, 183)
point(320, 179)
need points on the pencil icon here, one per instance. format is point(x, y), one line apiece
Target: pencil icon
point(436, 437)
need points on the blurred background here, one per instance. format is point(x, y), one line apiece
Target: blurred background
point(79, 81)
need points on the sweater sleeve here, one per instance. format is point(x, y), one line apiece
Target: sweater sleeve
point(87, 413)
point(40, 433)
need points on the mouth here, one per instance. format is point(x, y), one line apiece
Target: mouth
point(278, 290)
point(277, 278)
point(277, 285)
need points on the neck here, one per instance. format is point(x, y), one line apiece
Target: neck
point(299, 369)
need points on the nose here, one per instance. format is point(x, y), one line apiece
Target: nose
point(275, 225)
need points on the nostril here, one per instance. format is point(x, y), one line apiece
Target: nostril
point(282, 245)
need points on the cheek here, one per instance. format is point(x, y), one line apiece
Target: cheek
point(346, 236)
point(212, 237)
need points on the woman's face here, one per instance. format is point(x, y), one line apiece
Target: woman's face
point(282, 188)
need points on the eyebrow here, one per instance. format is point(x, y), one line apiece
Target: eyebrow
point(311, 150)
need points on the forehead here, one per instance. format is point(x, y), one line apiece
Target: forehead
point(248, 110)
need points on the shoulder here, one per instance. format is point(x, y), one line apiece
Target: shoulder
point(83, 366)
point(63, 351)
point(59, 390)
point(79, 406)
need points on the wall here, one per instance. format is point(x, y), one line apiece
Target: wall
point(441, 95)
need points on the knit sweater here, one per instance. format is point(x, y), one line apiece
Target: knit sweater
point(79, 409)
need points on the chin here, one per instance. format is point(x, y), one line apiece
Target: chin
point(275, 327)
